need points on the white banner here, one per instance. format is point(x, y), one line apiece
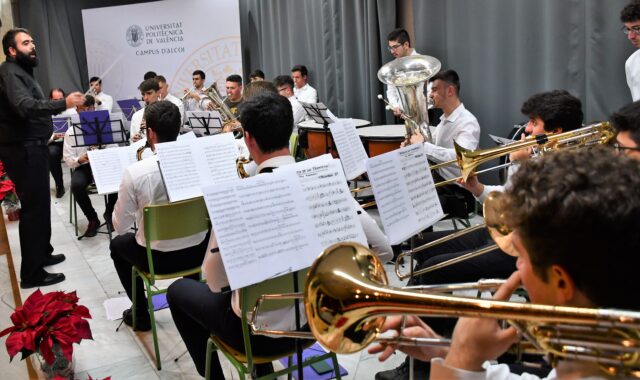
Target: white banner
point(171, 37)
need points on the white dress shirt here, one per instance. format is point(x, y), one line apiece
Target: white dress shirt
point(196, 105)
point(141, 186)
point(511, 170)
point(106, 102)
point(177, 102)
point(439, 370)
point(136, 121)
point(71, 154)
point(306, 94)
point(298, 112)
point(460, 126)
point(632, 70)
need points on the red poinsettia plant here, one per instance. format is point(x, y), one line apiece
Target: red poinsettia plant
point(47, 319)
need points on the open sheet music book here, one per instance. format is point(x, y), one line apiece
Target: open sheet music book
point(276, 223)
point(108, 165)
point(404, 191)
point(352, 154)
point(188, 165)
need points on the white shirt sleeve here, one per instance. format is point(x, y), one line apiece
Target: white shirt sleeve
point(124, 212)
point(468, 137)
point(439, 370)
point(70, 154)
point(136, 121)
point(392, 97)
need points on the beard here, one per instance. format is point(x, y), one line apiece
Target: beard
point(26, 59)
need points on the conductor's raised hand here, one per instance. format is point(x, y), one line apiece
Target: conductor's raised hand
point(75, 99)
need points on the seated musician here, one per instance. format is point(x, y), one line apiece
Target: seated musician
point(150, 92)
point(78, 160)
point(234, 93)
point(193, 96)
point(199, 309)
point(284, 84)
point(626, 121)
point(141, 186)
point(569, 210)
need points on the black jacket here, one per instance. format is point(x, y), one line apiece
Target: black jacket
point(25, 114)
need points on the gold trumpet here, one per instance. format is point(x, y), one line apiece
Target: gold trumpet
point(240, 163)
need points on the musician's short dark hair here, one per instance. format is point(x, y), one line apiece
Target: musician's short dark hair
point(95, 79)
point(257, 73)
point(268, 117)
point(258, 87)
point(164, 118)
point(161, 78)
point(450, 77)
point(89, 101)
point(283, 80)
point(400, 36)
point(199, 72)
point(149, 75)
point(631, 12)
point(627, 119)
point(235, 78)
point(64, 95)
point(580, 209)
point(301, 68)
point(9, 39)
point(149, 84)
point(557, 109)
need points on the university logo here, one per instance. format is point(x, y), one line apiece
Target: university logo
point(135, 36)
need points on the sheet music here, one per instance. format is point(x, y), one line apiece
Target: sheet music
point(279, 222)
point(187, 165)
point(187, 136)
point(108, 166)
point(404, 191)
point(352, 154)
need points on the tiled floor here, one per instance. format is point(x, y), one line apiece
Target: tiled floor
point(123, 354)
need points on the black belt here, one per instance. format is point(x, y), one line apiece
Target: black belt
point(40, 142)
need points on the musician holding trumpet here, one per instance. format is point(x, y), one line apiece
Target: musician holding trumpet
point(568, 211)
point(150, 92)
point(193, 96)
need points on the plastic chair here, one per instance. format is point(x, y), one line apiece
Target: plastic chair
point(165, 222)
point(293, 145)
point(244, 362)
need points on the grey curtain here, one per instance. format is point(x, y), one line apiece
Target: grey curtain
point(341, 43)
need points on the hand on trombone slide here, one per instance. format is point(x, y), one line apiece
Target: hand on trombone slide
point(408, 326)
point(415, 138)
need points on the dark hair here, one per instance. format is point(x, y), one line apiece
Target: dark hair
point(627, 119)
point(400, 35)
point(149, 84)
point(161, 78)
point(95, 79)
point(235, 78)
point(283, 80)
point(580, 209)
point(258, 87)
point(149, 75)
point(631, 12)
point(301, 68)
point(199, 72)
point(89, 101)
point(558, 109)
point(257, 73)
point(164, 118)
point(59, 90)
point(269, 119)
point(448, 76)
point(9, 39)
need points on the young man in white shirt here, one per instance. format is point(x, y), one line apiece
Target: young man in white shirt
point(141, 186)
point(303, 90)
point(630, 17)
point(193, 97)
point(284, 85)
point(103, 101)
point(555, 209)
point(150, 92)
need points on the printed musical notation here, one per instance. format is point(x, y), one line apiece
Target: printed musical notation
point(352, 153)
point(108, 166)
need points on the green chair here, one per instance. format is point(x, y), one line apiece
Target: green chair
point(165, 222)
point(293, 145)
point(244, 362)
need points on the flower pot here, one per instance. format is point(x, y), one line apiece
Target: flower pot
point(61, 367)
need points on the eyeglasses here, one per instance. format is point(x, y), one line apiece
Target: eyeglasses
point(395, 47)
point(282, 89)
point(635, 30)
point(620, 149)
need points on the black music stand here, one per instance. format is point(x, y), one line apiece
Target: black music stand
point(319, 113)
point(207, 120)
point(129, 107)
point(97, 129)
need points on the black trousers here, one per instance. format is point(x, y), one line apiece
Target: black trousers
point(198, 313)
point(80, 179)
point(55, 166)
point(28, 168)
point(126, 252)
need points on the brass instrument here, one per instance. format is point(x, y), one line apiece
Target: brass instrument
point(240, 163)
point(147, 145)
point(228, 120)
point(189, 91)
point(406, 74)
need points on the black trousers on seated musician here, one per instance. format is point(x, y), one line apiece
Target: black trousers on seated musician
point(198, 313)
point(80, 179)
point(126, 252)
point(55, 165)
point(456, 201)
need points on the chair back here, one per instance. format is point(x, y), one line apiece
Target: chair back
point(280, 284)
point(293, 144)
point(175, 220)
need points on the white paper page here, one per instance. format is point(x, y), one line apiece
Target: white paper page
point(327, 196)
point(352, 154)
point(108, 166)
point(187, 136)
point(262, 227)
point(404, 191)
point(114, 307)
point(219, 158)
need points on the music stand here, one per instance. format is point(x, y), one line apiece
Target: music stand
point(96, 128)
point(129, 107)
point(206, 120)
point(60, 123)
point(319, 113)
